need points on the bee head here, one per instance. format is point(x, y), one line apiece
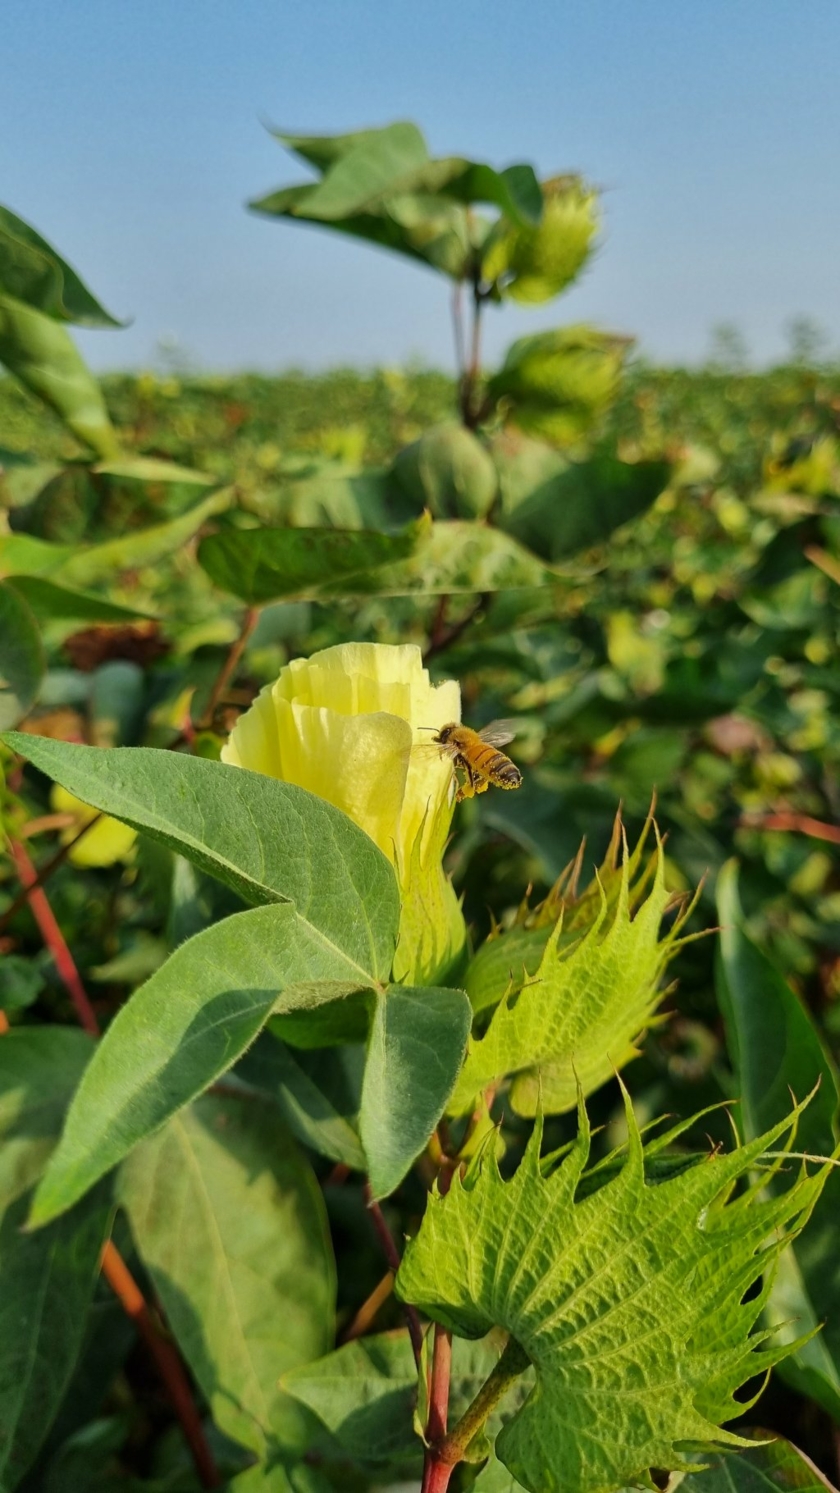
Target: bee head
point(442, 733)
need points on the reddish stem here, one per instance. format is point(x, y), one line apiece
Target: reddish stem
point(436, 1474)
point(46, 871)
point(167, 1362)
point(228, 669)
point(437, 1423)
point(114, 1268)
point(803, 824)
point(54, 938)
point(392, 1255)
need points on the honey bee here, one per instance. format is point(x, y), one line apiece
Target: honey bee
point(476, 754)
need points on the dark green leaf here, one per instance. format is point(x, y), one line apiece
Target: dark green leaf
point(22, 661)
point(580, 504)
point(60, 602)
point(86, 565)
point(32, 272)
point(48, 1284)
point(777, 1467)
point(230, 1222)
point(181, 1030)
point(42, 355)
point(415, 1051)
point(265, 564)
point(312, 1097)
point(366, 1394)
point(40, 1067)
point(269, 841)
point(776, 1051)
point(21, 982)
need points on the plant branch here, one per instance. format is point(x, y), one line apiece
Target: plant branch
point(392, 1255)
point(802, 824)
point(470, 412)
point(369, 1308)
point(458, 328)
point(228, 669)
point(442, 1457)
point(45, 873)
point(167, 1362)
point(443, 637)
point(54, 938)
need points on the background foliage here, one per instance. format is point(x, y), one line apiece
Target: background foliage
point(639, 564)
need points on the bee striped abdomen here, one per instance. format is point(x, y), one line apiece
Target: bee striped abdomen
point(504, 773)
point(497, 768)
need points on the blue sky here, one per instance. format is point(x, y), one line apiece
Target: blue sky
point(133, 134)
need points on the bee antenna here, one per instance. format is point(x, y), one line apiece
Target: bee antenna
point(427, 728)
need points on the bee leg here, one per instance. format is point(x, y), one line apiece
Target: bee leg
point(482, 784)
point(467, 788)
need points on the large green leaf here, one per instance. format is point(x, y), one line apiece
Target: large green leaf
point(775, 1467)
point(47, 1281)
point(50, 601)
point(776, 1051)
point(86, 565)
point(578, 1016)
point(230, 1222)
point(270, 841)
point(458, 557)
point(557, 508)
point(266, 564)
point(415, 1049)
point(366, 1395)
point(22, 662)
point(261, 565)
point(314, 1096)
point(182, 1030)
point(32, 272)
point(382, 186)
point(42, 355)
point(373, 166)
point(40, 1067)
point(632, 1302)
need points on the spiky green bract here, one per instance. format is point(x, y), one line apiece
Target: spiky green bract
point(578, 1018)
point(629, 1301)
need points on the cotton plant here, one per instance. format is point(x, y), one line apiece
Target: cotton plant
point(572, 1323)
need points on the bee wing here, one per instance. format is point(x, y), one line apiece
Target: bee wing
point(499, 733)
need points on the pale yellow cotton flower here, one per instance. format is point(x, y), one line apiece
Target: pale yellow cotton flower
point(106, 842)
point(354, 724)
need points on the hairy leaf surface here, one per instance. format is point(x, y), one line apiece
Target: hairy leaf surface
point(415, 1049)
point(629, 1301)
point(181, 1030)
point(270, 841)
point(230, 1221)
point(47, 1281)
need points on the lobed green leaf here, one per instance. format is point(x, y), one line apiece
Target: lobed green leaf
point(633, 1302)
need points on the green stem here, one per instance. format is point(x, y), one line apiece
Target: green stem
point(513, 1362)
